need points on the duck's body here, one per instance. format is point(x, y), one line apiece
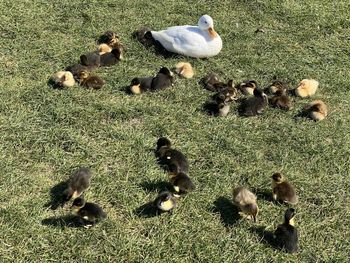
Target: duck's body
point(77, 184)
point(90, 213)
point(182, 183)
point(245, 200)
point(194, 41)
point(165, 202)
point(286, 235)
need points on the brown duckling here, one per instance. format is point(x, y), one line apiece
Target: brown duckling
point(276, 85)
point(77, 184)
point(90, 81)
point(62, 79)
point(281, 100)
point(110, 59)
point(245, 200)
point(286, 235)
point(247, 87)
point(316, 110)
point(104, 48)
point(219, 106)
point(282, 190)
point(182, 183)
point(306, 88)
point(229, 92)
point(210, 81)
point(163, 79)
point(91, 59)
point(89, 213)
point(254, 105)
point(77, 68)
point(184, 69)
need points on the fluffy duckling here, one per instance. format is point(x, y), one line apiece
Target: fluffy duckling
point(245, 200)
point(229, 92)
point(175, 160)
point(247, 87)
point(286, 235)
point(104, 48)
point(218, 107)
point(165, 202)
point(281, 100)
point(182, 183)
point(184, 69)
point(77, 184)
point(163, 79)
point(210, 81)
point(91, 59)
point(77, 68)
point(282, 190)
point(90, 81)
point(254, 105)
point(90, 213)
point(109, 37)
point(110, 59)
point(277, 85)
point(62, 79)
point(306, 88)
point(316, 110)
point(139, 85)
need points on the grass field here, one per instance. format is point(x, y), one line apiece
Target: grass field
point(46, 134)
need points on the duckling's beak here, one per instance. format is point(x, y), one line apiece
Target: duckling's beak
point(212, 33)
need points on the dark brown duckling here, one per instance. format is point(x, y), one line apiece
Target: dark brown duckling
point(209, 81)
point(286, 235)
point(110, 59)
point(165, 202)
point(276, 85)
point(282, 190)
point(163, 79)
point(254, 105)
point(77, 184)
point(281, 100)
point(247, 87)
point(90, 81)
point(182, 183)
point(91, 59)
point(89, 213)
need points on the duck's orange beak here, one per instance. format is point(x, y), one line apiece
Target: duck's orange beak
point(212, 32)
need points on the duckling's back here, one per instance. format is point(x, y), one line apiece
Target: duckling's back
point(286, 192)
point(80, 181)
point(92, 212)
point(287, 238)
point(242, 196)
point(176, 161)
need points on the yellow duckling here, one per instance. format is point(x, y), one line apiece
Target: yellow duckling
point(306, 88)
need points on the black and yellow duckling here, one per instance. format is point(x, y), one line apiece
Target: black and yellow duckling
point(247, 87)
point(255, 105)
point(182, 183)
point(210, 81)
point(110, 58)
point(104, 48)
point(77, 68)
point(90, 213)
point(77, 184)
point(62, 79)
point(306, 88)
point(316, 110)
point(139, 85)
point(165, 202)
point(281, 100)
point(286, 235)
point(282, 190)
point(245, 200)
point(276, 85)
point(175, 161)
point(219, 106)
point(90, 81)
point(109, 37)
point(184, 69)
point(91, 59)
point(228, 91)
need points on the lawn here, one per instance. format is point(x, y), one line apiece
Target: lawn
point(47, 133)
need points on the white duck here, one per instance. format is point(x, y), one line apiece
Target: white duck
point(193, 41)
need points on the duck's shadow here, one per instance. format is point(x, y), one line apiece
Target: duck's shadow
point(56, 197)
point(227, 210)
point(266, 236)
point(146, 210)
point(157, 186)
point(63, 221)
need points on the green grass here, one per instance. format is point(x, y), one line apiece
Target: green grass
point(46, 133)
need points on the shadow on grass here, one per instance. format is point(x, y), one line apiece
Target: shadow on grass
point(56, 196)
point(157, 186)
point(63, 221)
point(266, 236)
point(264, 194)
point(227, 210)
point(147, 210)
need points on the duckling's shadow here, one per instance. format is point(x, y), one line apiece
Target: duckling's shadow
point(266, 236)
point(147, 210)
point(227, 210)
point(263, 194)
point(157, 186)
point(210, 108)
point(52, 84)
point(126, 90)
point(63, 221)
point(56, 196)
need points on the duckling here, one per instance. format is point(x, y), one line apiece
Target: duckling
point(184, 69)
point(165, 202)
point(109, 37)
point(175, 160)
point(91, 59)
point(163, 79)
point(110, 59)
point(90, 213)
point(75, 69)
point(218, 106)
point(277, 85)
point(90, 81)
point(210, 81)
point(229, 92)
point(247, 87)
point(282, 190)
point(316, 110)
point(254, 105)
point(281, 100)
point(182, 183)
point(77, 184)
point(245, 200)
point(104, 48)
point(306, 88)
point(139, 85)
point(62, 79)
point(286, 235)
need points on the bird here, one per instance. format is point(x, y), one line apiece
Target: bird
point(182, 183)
point(210, 81)
point(286, 236)
point(175, 161)
point(276, 85)
point(110, 58)
point(316, 110)
point(306, 88)
point(89, 213)
point(104, 48)
point(227, 91)
point(90, 81)
point(245, 200)
point(77, 184)
point(194, 41)
point(165, 202)
point(139, 85)
point(218, 106)
point(247, 87)
point(62, 79)
point(184, 69)
point(76, 68)
point(254, 105)
point(91, 59)
point(282, 190)
point(281, 100)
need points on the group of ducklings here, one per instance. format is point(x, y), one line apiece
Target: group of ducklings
point(258, 99)
point(88, 213)
point(110, 52)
